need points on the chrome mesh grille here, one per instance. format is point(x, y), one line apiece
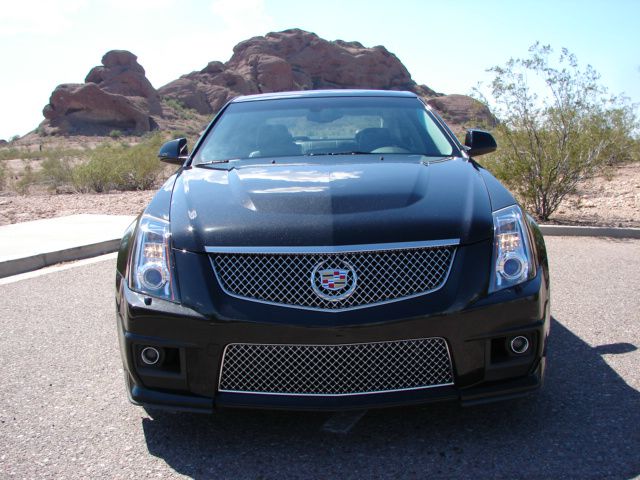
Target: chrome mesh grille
point(336, 369)
point(375, 276)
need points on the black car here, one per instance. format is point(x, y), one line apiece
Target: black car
point(331, 250)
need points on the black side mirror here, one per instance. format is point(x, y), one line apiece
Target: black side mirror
point(174, 151)
point(479, 142)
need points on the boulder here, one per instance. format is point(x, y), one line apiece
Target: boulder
point(115, 96)
point(289, 60)
point(463, 111)
point(299, 60)
point(326, 64)
point(121, 74)
point(189, 94)
point(87, 109)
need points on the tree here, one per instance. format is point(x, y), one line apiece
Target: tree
point(557, 126)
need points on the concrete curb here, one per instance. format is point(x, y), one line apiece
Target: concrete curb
point(35, 262)
point(584, 231)
point(32, 245)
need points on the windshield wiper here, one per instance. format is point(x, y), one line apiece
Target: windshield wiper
point(340, 153)
point(213, 162)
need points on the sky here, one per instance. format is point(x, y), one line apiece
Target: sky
point(447, 45)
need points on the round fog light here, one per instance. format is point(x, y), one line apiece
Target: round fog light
point(519, 344)
point(150, 355)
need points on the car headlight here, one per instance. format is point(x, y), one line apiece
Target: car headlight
point(512, 257)
point(152, 266)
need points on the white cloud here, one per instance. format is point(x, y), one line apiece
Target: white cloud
point(141, 5)
point(186, 53)
point(38, 16)
point(224, 24)
point(242, 18)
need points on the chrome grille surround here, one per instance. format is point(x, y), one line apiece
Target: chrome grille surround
point(336, 370)
point(286, 275)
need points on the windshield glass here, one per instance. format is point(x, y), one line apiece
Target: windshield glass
point(323, 126)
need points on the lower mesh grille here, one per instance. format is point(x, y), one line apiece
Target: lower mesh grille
point(336, 369)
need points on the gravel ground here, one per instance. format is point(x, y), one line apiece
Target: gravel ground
point(606, 201)
point(21, 208)
point(64, 414)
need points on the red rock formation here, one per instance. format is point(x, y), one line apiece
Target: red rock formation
point(290, 60)
point(116, 96)
point(461, 110)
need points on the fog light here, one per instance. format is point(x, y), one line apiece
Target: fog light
point(150, 355)
point(519, 344)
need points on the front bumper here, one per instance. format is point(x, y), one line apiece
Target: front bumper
point(483, 370)
point(493, 392)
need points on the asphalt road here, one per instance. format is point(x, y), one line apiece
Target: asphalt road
point(64, 414)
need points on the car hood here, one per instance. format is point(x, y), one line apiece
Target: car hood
point(341, 202)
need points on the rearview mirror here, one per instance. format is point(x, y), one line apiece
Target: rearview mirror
point(324, 115)
point(479, 142)
point(174, 151)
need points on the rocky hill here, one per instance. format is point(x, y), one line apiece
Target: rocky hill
point(118, 96)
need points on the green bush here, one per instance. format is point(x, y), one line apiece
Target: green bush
point(180, 109)
point(110, 166)
point(56, 172)
point(120, 167)
point(552, 140)
point(29, 177)
point(50, 153)
point(10, 153)
point(3, 176)
point(115, 133)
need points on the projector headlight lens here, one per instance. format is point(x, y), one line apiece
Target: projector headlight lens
point(152, 261)
point(513, 261)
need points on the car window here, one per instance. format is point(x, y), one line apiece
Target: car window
point(323, 126)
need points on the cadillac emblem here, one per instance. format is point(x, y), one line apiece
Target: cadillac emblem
point(333, 281)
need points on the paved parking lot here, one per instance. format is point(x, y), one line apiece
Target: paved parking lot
point(64, 414)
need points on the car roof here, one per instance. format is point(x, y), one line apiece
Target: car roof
point(324, 93)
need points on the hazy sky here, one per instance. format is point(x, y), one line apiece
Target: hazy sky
point(446, 45)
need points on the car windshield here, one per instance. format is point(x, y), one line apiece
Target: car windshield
point(323, 126)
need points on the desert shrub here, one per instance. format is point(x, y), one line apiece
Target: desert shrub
point(120, 167)
point(180, 134)
point(110, 166)
point(48, 153)
point(180, 109)
point(3, 176)
point(56, 172)
point(28, 178)
point(554, 135)
point(60, 153)
point(115, 133)
point(11, 153)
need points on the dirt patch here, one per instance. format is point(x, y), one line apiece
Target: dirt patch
point(23, 208)
point(611, 200)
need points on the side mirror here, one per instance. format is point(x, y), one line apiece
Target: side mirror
point(479, 142)
point(174, 151)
